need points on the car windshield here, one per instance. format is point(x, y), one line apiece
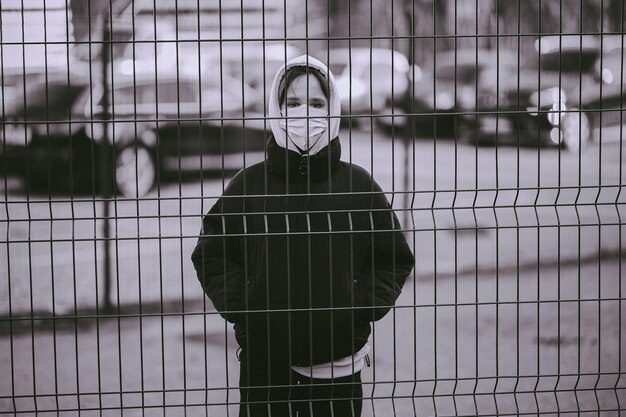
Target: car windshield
point(166, 92)
point(460, 74)
point(570, 61)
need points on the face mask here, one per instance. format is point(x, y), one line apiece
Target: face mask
point(305, 125)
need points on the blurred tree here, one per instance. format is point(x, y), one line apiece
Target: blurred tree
point(616, 15)
point(420, 27)
point(87, 18)
point(427, 20)
point(532, 18)
point(364, 23)
point(87, 15)
point(409, 26)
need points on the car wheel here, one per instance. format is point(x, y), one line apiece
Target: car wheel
point(575, 130)
point(135, 171)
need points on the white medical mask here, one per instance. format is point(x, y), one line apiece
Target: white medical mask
point(305, 125)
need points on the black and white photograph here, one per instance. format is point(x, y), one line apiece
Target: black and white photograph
point(312, 208)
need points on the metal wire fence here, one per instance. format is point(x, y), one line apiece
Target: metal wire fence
point(481, 273)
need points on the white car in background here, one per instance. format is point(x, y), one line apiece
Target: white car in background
point(255, 64)
point(367, 78)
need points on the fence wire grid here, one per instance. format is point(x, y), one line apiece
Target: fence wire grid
point(494, 130)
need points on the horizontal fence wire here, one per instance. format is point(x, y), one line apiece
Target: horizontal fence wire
point(482, 141)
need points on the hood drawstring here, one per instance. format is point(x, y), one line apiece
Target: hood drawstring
point(304, 164)
point(294, 164)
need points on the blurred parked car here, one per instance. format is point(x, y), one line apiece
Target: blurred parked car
point(157, 127)
point(367, 78)
point(484, 97)
point(13, 82)
point(15, 79)
point(503, 99)
point(427, 108)
point(254, 62)
point(606, 107)
point(607, 115)
point(43, 111)
point(568, 62)
point(610, 67)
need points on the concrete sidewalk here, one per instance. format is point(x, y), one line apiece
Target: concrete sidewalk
point(532, 342)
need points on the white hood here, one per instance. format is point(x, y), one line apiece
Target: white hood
point(334, 105)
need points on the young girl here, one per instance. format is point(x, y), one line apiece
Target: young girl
point(301, 253)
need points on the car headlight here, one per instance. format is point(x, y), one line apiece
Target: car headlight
point(445, 101)
point(607, 76)
point(547, 98)
point(558, 106)
point(440, 101)
point(552, 99)
point(467, 97)
point(556, 113)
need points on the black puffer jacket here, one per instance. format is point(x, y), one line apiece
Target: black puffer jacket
point(301, 254)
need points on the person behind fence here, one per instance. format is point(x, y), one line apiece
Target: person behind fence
point(301, 253)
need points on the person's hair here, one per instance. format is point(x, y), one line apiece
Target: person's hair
point(294, 72)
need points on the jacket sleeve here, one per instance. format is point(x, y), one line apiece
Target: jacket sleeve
point(387, 265)
point(217, 261)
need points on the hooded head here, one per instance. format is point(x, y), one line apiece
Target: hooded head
point(303, 126)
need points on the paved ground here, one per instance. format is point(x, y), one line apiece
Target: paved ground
point(538, 341)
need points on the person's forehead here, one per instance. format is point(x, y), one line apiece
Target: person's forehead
point(305, 83)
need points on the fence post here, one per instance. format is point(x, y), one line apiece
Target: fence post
point(105, 161)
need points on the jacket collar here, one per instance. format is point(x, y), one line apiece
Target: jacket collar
point(285, 162)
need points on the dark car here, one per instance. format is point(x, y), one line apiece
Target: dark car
point(155, 127)
point(367, 80)
point(568, 61)
point(609, 67)
point(606, 107)
point(40, 106)
point(427, 108)
point(503, 99)
point(607, 115)
point(487, 96)
point(15, 80)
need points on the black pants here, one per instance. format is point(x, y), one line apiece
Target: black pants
point(274, 390)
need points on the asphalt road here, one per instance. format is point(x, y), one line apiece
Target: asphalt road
point(516, 305)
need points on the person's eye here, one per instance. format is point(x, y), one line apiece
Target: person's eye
point(293, 104)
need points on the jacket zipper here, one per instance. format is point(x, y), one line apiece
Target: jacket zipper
point(303, 268)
